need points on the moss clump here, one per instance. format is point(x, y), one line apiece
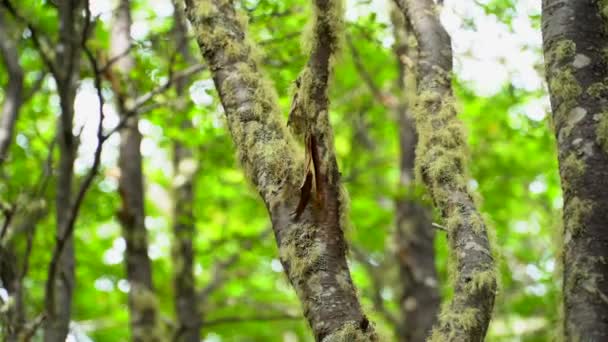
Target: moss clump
point(575, 212)
point(564, 85)
point(601, 131)
point(351, 332)
point(481, 281)
point(572, 169)
point(451, 321)
point(598, 90)
point(562, 51)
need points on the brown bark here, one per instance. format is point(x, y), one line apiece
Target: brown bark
point(441, 166)
point(414, 235)
point(13, 94)
point(312, 247)
point(142, 301)
point(575, 37)
point(186, 304)
point(60, 285)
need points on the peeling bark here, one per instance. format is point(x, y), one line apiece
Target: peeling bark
point(414, 235)
point(440, 164)
point(67, 67)
point(142, 301)
point(575, 37)
point(186, 304)
point(13, 94)
point(312, 248)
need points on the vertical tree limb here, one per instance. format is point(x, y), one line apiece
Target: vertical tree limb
point(312, 248)
point(186, 302)
point(142, 300)
point(13, 94)
point(441, 165)
point(414, 235)
point(575, 36)
point(60, 286)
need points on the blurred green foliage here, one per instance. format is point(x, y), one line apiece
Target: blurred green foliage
point(512, 166)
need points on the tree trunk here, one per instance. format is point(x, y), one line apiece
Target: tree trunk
point(307, 226)
point(142, 301)
point(14, 91)
point(575, 37)
point(414, 235)
point(59, 299)
point(441, 165)
point(186, 303)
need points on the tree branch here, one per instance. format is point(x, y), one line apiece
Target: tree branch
point(13, 97)
point(441, 165)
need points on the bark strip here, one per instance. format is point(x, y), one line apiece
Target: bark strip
point(189, 317)
point(414, 235)
point(441, 165)
point(312, 248)
point(13, 94)
point(575, 37)
point(60, 285)
point(142, 301)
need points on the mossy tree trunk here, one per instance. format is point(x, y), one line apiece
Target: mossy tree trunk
point(311, 243)
point(60, 286)
point(575, 41)
point(186, 303)
point(414, 235)
point(441, 166)
point(142, 301)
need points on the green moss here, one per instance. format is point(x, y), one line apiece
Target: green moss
point(598, 90)
point(482, 281)
point(564, 85)
point(452, 321)
point(601, 131)
point(350, 332)
point(575, 212)
point(572, 169)
point(562, 51)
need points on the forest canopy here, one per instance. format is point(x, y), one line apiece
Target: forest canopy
point(289, 170)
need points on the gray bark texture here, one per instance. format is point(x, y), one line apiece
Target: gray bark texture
point(414, 235)
point(575, 37)
point(441, 166)
point(142, 301)
point(60, 286)
point(189, 316)
point(13, 93)
point(311, 242)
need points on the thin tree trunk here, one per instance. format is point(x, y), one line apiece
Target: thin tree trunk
point(414, 235)
point(13, 94)
point(308, 226)
point(441, 165)
point(15, 253)
point(59, 299)
point(575, 37)
point(186, 303)
point(142, 301)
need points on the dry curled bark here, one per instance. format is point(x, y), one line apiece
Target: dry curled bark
point(189, 317)
point(440, 164)
point(13, 94)
point(312, 247)
point(142, 301)
point(575, 37)
point(414, 235)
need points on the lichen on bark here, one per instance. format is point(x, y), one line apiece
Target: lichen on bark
point(312, 247)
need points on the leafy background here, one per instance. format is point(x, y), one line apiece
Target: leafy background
point(502, 100)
